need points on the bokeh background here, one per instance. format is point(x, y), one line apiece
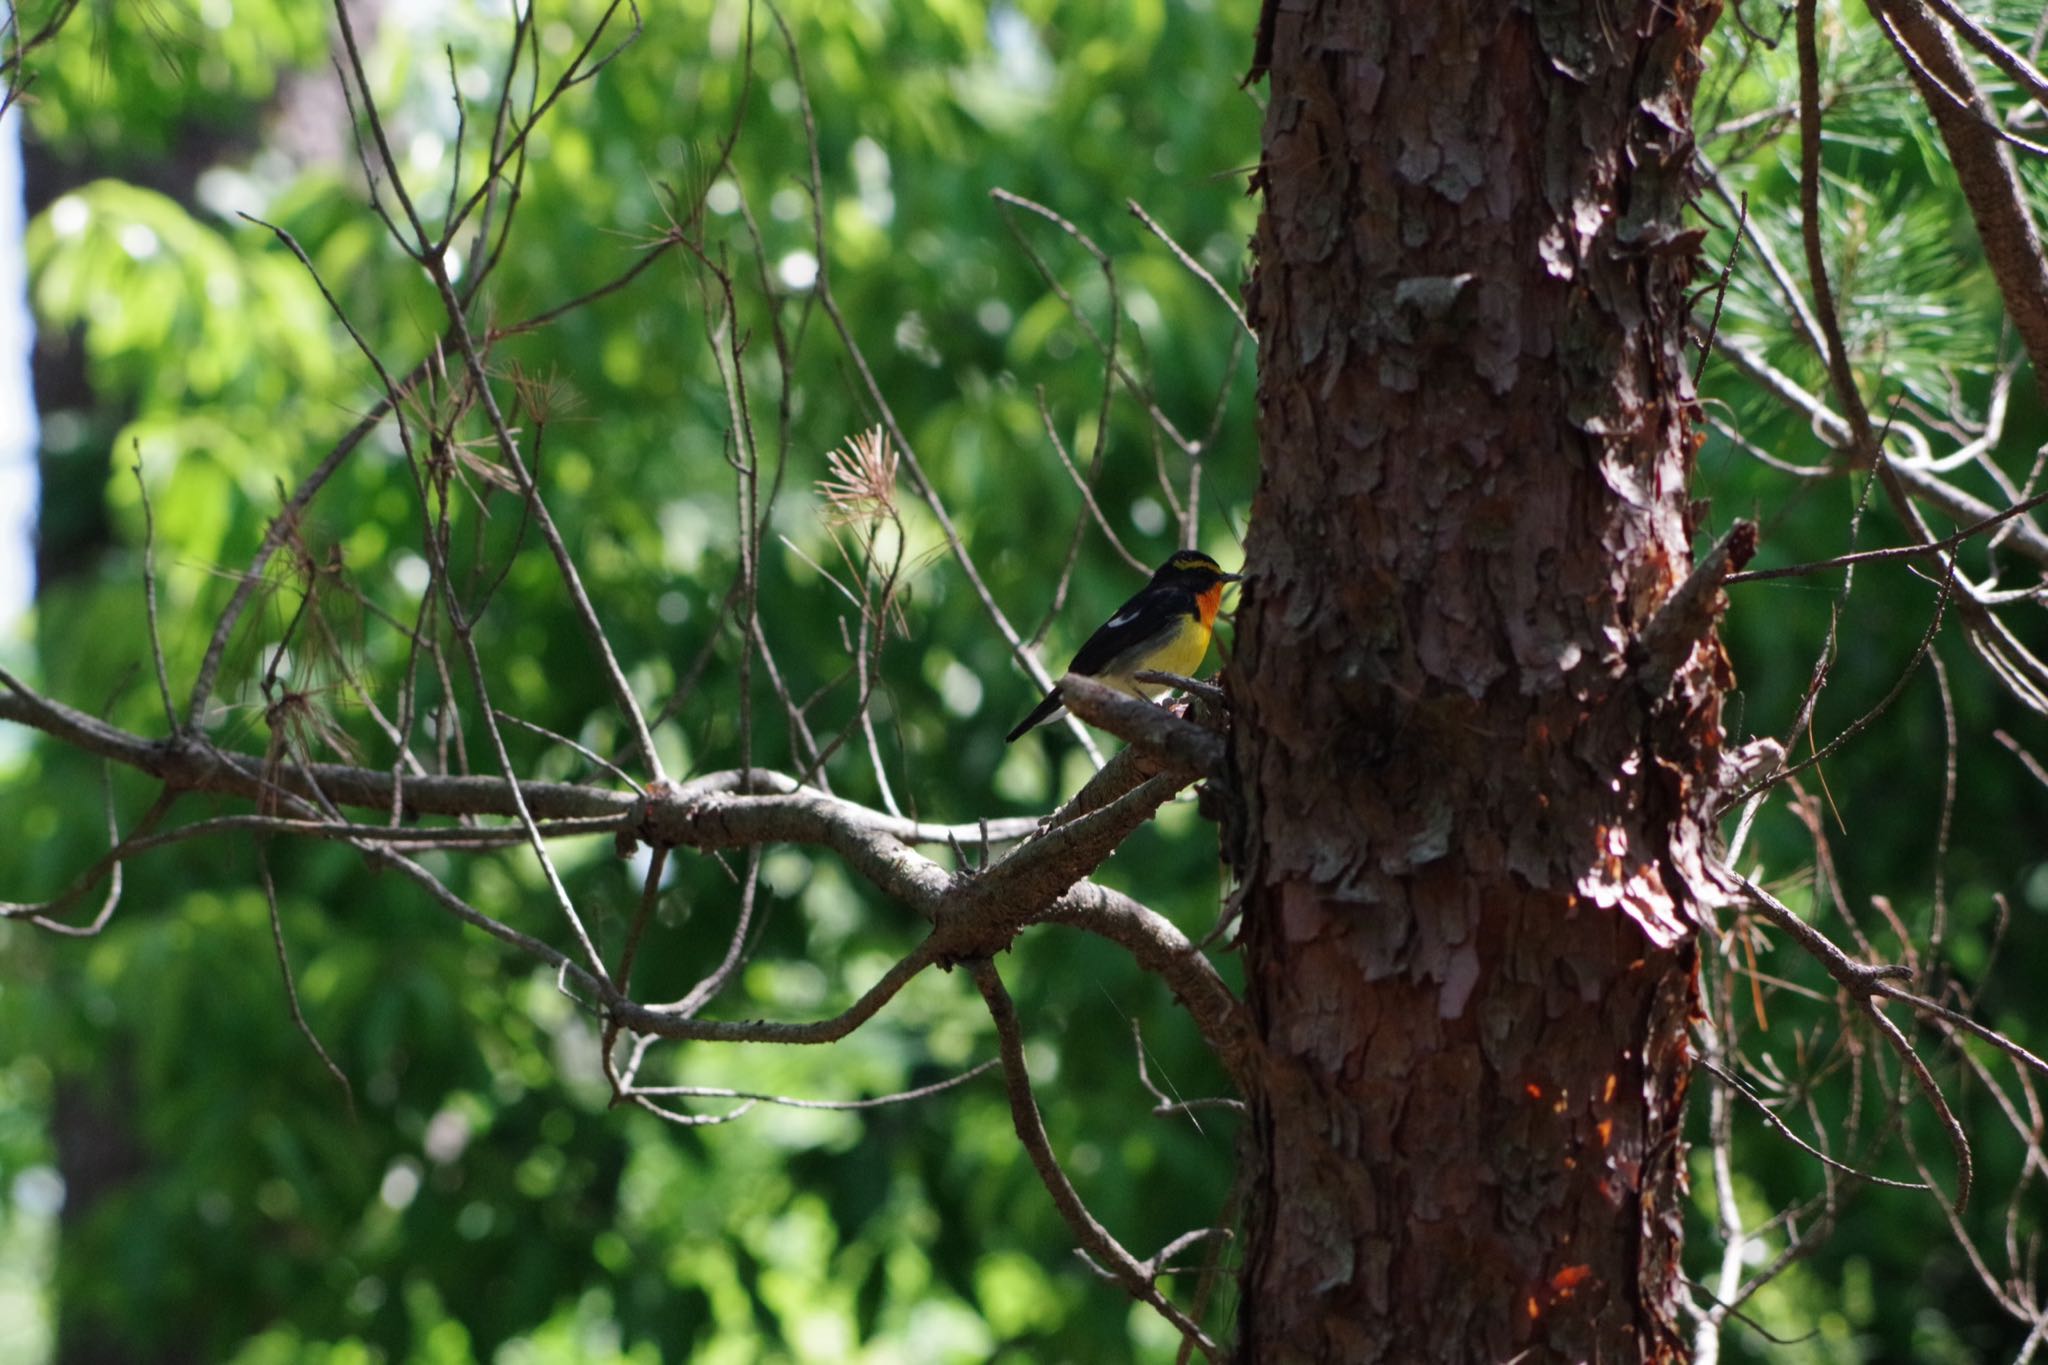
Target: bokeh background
point(181, 1179)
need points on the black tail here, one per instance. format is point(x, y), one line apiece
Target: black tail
point(1040, 714)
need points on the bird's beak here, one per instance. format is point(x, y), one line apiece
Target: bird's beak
point(1232, 577)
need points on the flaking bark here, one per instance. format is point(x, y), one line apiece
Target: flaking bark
point(1474, 840)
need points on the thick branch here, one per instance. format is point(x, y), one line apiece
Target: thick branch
point(1162, 949)
point(1159, 732)
point(193, 764)
point(1042, 880)
point(985, 911)
point(1984, 168)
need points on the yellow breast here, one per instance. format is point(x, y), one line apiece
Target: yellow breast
point(1183, 654)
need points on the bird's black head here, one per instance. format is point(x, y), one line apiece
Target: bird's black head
point(1193, 570)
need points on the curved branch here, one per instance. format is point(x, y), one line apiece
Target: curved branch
point(1042, 880)
point(194, 764)
point(1984, 168)
point(1092, 1237)
point(674, 1023)
point(1861, 982)
point(1163, 950)
point(1168, 738)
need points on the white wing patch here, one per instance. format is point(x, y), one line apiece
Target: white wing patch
point(1124, 618)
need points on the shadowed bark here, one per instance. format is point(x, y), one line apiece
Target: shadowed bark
point(1475, 821)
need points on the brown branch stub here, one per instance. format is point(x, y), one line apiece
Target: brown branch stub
point(1692, 610)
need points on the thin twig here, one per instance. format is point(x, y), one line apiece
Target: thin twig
point(1090, 1236)
point(841, 1106)
point(291, 990)
point(1087, 494)
point(1735, 1083)
point(1861, 983)
point(1194, 266)
point(156, 644)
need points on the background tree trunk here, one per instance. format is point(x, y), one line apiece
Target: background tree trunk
point(1474, 831)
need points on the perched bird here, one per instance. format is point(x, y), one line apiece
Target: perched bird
point(1165, 628)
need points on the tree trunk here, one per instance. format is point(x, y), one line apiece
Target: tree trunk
point(1477, 803)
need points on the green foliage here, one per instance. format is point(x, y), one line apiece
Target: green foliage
point(480, 1200)
point(126, 81)
point(1924, 329)
point(477, 1198)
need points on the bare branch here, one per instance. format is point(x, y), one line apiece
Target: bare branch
point(918, 478)
point(705, 991)
point(672, 1022)
point(1194, 266)
point(1087, 493)
point(1138, 391)
point(595, 760)
point(1734, 1083)
point(1092, 1238)
point(2022, 72)
point(18, 45)
point(192, 764)
point(2033, 765)
point(1861, 983)
point(291, 990)
point(1165, 1105)
point(274, 536)
point(1922, 551)
point(1181, 744)
point(1985, 170)
point(108, 867)
point(842, 1106)
point(1721, 289)
point(156, 644)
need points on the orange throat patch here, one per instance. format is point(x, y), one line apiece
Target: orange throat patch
point(1206, 605)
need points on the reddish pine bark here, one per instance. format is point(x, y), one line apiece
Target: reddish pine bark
point(1474, 817)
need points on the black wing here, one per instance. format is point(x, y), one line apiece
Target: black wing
point(1145, 617)
point(1130, 627)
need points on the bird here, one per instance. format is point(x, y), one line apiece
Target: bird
point(1165, 628)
